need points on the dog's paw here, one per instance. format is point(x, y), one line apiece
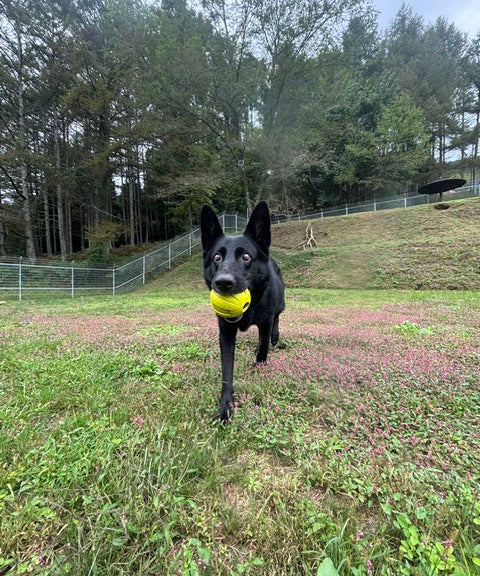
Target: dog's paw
point(225, 412)
point(260, 362)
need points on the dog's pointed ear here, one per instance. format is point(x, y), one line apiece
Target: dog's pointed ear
point(210, 228)
point(258, 227)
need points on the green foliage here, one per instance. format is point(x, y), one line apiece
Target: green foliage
point(327, 568)
point(434, 557)
point(402, 141)
point(139, 112)
point(413, 329)
point(100, 239)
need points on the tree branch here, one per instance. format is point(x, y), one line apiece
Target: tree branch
point(12, 182)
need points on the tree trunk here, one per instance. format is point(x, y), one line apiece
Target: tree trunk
point(3, 251)
point(475, 147)
point(21, 142)
point(60, 193)
point(68, 222)
point(48, 231)
point(27, 215)
point(131, 201)
point(139, 219)
point(246, 189)
point(68, 199)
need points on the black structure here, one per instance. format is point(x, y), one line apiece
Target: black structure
point(441, 186)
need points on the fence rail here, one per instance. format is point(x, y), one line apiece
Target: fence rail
point(20, 277)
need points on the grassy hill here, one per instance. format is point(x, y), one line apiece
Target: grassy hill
point(421, 247)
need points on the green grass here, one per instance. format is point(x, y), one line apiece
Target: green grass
point(354, 451)
point(414, 248)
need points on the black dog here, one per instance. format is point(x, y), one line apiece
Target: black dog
point(230, 265)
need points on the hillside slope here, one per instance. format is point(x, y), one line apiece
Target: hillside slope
point(420, 247)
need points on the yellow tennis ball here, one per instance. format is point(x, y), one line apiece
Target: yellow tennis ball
point(230, 305)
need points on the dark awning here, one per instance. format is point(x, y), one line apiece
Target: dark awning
point(439, 186)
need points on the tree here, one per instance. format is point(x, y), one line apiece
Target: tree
point(402, 143)
point(129, 31)
point(50, 29)
point(470, 107)
point(17, 51)
point(210, 80)
point(426, 62)
point(287, 35)
point(90, 103)
point(3, 249)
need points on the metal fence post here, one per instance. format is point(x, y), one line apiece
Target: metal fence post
point(169, 255)
point(20, 279)
point(113, 280)
point(144, 268)
point(73, 279)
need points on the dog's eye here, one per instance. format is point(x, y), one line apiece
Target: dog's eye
point(217, 258)
point(246, 258)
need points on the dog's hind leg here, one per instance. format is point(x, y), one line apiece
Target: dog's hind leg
point(275, 331)
point(264, 335)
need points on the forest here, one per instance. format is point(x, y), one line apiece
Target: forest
point(120, 118)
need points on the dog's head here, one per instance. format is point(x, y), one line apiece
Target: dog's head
point(232, 263)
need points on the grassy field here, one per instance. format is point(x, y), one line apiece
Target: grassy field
point(356, 450)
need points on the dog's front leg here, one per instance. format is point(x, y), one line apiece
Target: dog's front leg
point(228, 336)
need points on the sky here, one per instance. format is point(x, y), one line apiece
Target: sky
point(465, 14)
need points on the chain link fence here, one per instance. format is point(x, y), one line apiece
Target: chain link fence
point(388, 203)
point(20, 277)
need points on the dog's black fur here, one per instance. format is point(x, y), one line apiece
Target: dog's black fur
point(230, 265)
